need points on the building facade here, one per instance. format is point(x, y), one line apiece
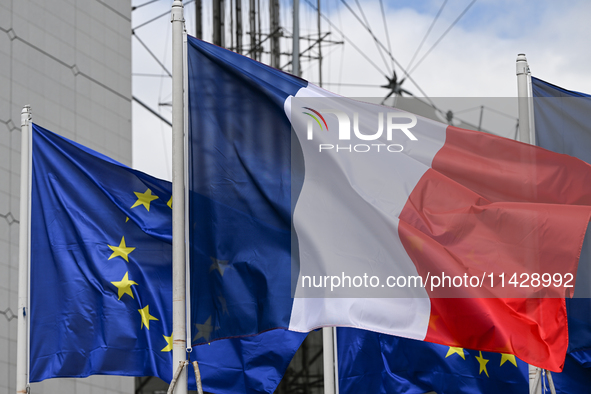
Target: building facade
point(71, 61)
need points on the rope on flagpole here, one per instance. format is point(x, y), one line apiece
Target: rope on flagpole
point(197, 377)
point(177, 373)
point(550, 382)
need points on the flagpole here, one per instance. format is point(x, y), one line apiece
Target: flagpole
point(179, 350)
point(523, 98)
point(328, 360)
point(295, 60)
point(525, 135)
point(336, 360)
point(22, 373)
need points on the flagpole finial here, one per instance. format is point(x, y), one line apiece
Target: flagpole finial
point(524, 104)
point(176, 4)
point(177, 11)
point(522, 66)
point(25, 115)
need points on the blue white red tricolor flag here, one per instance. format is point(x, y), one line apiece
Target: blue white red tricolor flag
point(562, 117)
point(288, 180)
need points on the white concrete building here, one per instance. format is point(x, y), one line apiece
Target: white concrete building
point(71, 61)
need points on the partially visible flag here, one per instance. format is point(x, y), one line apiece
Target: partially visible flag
point(562, 119)
point(376, 363)
point(575, 378)
point(250, 365)
point(279, 187)
point(101, 279)
point(562, 124)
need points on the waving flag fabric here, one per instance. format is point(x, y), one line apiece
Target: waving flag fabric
point(279, 189)
point(386, 364)
point(561, 119)
point(575, 378)
point(101, 279)
point(562, 125)
point(377, 363)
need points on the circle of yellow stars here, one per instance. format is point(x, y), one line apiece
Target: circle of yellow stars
point(124, 286)
point(480, 358)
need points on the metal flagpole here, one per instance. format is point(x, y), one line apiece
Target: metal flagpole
point(523, 98)
point(535, 379)
point(22, 356)
point(295, 60)
point(319, 47)
point(336, 360)
point(328, 360)
point(179, 350)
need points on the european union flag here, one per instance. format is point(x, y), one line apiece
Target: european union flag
point(101, 273)
point(376, 363)
point(101, 278)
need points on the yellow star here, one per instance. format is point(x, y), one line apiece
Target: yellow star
point(169, 203)
point(456, 350)
point(168, 346)
point(126, 219)
point(204, 330)
point(124, 286)
point(121, 251)
point(220, 265)
point(508, 357)
point(146, 317)
point(144, 199)
point(482, 361)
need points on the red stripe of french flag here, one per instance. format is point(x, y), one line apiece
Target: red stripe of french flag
point(489, 204)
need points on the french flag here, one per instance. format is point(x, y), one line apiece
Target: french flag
point(310, 210)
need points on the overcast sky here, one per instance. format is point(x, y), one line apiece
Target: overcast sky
point(475, 59)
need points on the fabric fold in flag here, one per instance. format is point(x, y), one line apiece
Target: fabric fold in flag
point(561, 125)
point(290, 183)
point(378, 363)
point(101, 279)
point(576, 376)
